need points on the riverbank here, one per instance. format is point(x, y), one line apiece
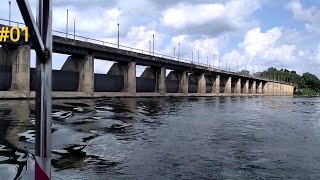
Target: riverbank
point(306, 92)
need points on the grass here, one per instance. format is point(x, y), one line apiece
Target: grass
point(307, 92)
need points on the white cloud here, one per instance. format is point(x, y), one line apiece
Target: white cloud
point(256, 41)
point(311, 16)
point(186, 14)
point(263, 49)
point(215, 17)
point(139, 37)
point(207, 48)
point(88, 21)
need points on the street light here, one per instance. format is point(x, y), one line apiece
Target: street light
point(238, 65)
point(174, 52)
point(219, 63)
point(252, 70)
point(118, 35)
point(74, 29)
point(198, 57)
point(192, 58)
point(67, 23)
point(149, 47)
point(153, 44)
point(179, 52)
point(226, 64)
point(9, 13)
point(207, 61)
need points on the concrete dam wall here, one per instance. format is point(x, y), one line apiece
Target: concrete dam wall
point(67, 81)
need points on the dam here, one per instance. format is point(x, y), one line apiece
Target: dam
point(77, 79)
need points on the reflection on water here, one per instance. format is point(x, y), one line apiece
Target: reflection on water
point(168, 138)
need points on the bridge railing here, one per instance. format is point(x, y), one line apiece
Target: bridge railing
point(136, 50)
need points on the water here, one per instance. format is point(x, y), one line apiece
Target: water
point(170, 138)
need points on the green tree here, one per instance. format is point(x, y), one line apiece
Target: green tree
point(311, 81)
point(245, 72)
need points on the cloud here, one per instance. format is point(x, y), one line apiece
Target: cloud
point(88, 21)
point(310, 16)
point(207, 47)
point(263, 49)
point(256, 41)
point(209, 18)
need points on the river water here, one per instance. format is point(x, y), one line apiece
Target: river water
point(168, 138)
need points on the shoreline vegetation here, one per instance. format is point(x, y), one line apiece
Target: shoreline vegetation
point(306, 92)
point(306, 85)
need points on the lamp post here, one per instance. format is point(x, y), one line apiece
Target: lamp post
point(149, 47)
point(192, 58)
point(74, 29)
point(118, 35)
point(67, 23)
point(178, 51)
point(9, 13)
point(219, 63)
point(226, 64)
point(207, 61)
point(252, 70)
point(238, 66)
point(174, 52)
point(214, 59)
point(198, 57)
point(153, 44)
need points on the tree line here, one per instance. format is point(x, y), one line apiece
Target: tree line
point(306, 80)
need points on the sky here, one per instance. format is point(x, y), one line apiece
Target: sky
point(256, 34)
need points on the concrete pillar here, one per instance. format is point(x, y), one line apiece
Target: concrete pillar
point(159, 74)
point(260, 88)
point(86, 75)
point(183, 82)
point(161, 80)
point(254, 87)
point(129, 75)
point(128, 71)
point(246, 87)
point(216, 85)
point(20, 60)
point(85, 66)
point(202, 86)
point(227, 88)
point(238, 86)
point(265, 88)
point(272, 87)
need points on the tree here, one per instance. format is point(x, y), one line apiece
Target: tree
point(245, 72)
point(311, 81)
